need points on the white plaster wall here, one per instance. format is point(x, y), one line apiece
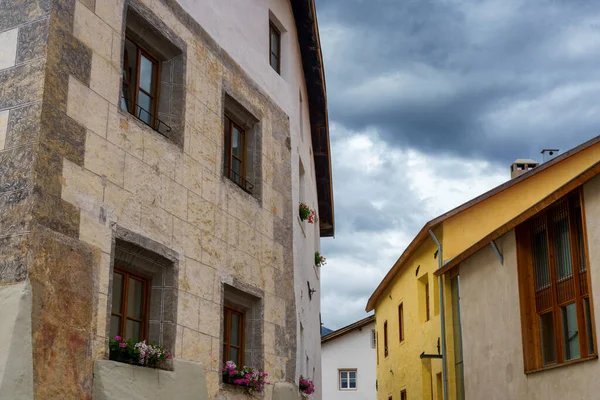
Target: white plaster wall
point(493, 351)
point(241, 27)
point(350, 351)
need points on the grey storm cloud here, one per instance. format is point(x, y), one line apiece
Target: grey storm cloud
point(478, 82)
point(477, 78)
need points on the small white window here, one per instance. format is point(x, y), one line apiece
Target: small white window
point(373, 339)
point(347, 379)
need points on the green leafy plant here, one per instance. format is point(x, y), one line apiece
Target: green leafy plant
point(319, 259)
point(138, 353)
point(252, 379)
point(306, 213)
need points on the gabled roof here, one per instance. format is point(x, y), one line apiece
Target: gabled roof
point(518, 219)
point(305, 16)
point(591, 146)
point(347, 329)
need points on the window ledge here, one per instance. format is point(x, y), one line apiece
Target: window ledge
point(145, 127)
point(565, 364)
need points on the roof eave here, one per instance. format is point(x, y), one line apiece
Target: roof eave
point(314, 74)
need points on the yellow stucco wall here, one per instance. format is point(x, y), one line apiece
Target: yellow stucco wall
point(461, 233)
point(403, 369)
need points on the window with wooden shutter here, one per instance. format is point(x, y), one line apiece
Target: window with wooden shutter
point(554, 286)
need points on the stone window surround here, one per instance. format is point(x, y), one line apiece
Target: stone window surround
point(240, 111)
point(251, 300)
point(164, 273)
point(172, 52)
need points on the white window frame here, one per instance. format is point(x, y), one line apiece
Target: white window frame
point(347, 371)
point(373, 339)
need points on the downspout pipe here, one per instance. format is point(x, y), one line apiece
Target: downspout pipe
point(442, 315)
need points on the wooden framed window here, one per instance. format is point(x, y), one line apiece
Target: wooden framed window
point(233, 336)
point(427, 310)
point(385, 339)
point(235, 142)
point(347, 379)
point(275, 47)
point(403, 395)
point(401, 322)
point(377, 351)
point(139, 94)
point(130, 300)
point(554, 286)
point(373, 339)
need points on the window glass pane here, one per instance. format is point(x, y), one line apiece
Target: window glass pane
point(588, 325)
point(235, 330)
point(133, 330)
point(144, 107)
point(562, 245)
point(548, 340)
point(274, 42)
point(117, 292)
point(236, 167)
point(135, 298)
point(274, 61)
point(344, 380)
point(352, 381)
point(115, 325)
point(236, 142)
point(146, 74)
point(234, 354)
point(570, 331)
point(352, 374)
point(540, 258)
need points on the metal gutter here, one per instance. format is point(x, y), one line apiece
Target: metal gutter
point(442, 315)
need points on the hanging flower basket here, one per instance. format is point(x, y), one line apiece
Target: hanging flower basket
point(306, 386)
point(306, 214)
point(319, 259)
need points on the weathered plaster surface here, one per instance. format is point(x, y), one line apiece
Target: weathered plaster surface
point(118, 381)
point(16, 369)
point(491, 322)
point(74, 169)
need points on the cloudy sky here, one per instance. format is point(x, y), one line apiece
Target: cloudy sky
point(430, 101)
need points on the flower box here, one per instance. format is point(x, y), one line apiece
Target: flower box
point(138, 353)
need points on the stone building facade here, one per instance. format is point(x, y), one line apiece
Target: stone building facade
point(91, 194)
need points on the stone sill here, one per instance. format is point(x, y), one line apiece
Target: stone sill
point(565, 364)
point(115, 381)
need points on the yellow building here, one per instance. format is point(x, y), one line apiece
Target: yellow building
point(413, 349)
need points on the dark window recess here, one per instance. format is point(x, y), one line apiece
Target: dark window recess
point(129, 312)
point(153, 74)
point(275, 48)
point(139, 94)
point(236, 163)
point(233, 336)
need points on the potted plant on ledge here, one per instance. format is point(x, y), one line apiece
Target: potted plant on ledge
point(319, 259)
point(306, 213)
point(306, 386)
point(251, 379)
point(137, 353)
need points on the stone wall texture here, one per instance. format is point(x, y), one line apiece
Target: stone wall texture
point(75, 169)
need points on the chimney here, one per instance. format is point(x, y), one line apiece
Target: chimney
point(520, 166)
point(549, 154)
